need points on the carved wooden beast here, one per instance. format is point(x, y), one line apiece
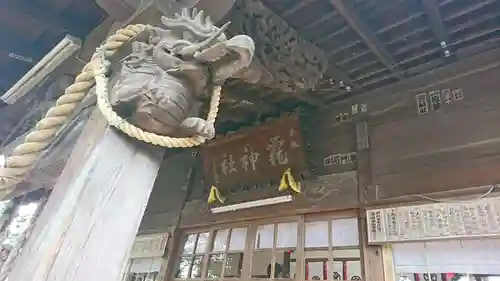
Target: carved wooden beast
point(160, 81)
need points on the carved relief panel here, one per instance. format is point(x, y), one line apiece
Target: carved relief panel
point(294, 63)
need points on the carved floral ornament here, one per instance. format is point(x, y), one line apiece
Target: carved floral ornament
point(160, 82)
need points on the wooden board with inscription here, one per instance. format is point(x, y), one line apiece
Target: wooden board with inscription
point(330, 137)
point(439, 138)
point(259, 156)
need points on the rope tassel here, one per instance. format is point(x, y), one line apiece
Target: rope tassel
point(215, 196)
point(287, 181)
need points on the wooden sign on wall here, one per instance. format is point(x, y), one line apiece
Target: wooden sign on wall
point(439, 138)
point(331, 138)
point(149, 246)
point(255, 157)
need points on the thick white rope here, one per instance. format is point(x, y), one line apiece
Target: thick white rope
point(133, 131)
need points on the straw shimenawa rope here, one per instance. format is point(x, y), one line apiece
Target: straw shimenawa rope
point(26, 154)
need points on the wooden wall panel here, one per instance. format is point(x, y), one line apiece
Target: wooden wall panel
point(326, 136)
point(455, 147)
point(333, 192)
point(166, 200)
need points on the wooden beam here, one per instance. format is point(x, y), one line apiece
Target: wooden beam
point(296, 7)
point(304, 96)
point(262, 105)
point(315, 23)
point(333, 71)
point(436, 21)
point(88, 226)
point(239, 91)
point(337, 74)
point(309, 97)
point(354, 20)
point(331, 35)
point(372, 263)
point(448, 72)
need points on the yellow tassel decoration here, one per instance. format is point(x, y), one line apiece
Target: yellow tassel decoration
point(215, 196)
point(287, 181)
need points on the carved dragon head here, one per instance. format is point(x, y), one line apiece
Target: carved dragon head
point(159, 80)
point(190, 37)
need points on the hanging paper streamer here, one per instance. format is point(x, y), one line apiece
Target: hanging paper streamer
point(287, 181)
point(215, 196)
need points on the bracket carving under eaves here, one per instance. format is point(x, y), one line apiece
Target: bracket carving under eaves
point(295, 64)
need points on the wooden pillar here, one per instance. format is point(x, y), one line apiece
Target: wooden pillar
point(387, 258)
point(91, 219)
point(372, 260)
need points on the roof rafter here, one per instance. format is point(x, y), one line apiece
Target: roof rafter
point(337, 74)
point(309, 98)
point(354, 20)
point(320, 20)
point(296, 7)
point(436, 21)
point(232, 90)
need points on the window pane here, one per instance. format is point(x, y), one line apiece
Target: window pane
point(265, 237)
point(293, 267)
point(215, 266)
point(234, 263)
point(189, 246)
point(353, 270)
point(183, 269)
point(151, 276)
point(201, 246)
point(287, 235)
point(316, 234)
point(338, 270)
point(220, 241)
point(196, 269)
point(449, 258)
point(139, 277)
point(347, 264)
point(238, 239)
point(261, 263)
point(316, 269)
point(345, 232)
point(284, 259)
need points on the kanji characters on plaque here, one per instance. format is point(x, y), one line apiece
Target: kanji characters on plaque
point(256, 157)
point(434, 221)
point(340, 159)
point(436, 99)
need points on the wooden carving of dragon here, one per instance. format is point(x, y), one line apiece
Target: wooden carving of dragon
point(159, 83)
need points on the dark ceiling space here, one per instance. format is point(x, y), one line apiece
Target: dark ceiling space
point(371, 44)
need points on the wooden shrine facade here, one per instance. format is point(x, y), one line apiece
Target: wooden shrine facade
point(430, 137)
